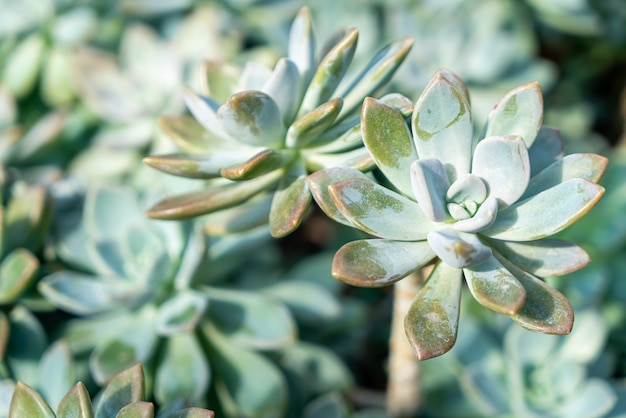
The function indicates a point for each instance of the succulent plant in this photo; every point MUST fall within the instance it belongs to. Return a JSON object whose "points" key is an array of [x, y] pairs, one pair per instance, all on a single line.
{"points": [[122, 397], [480, 209], [279, 126]]}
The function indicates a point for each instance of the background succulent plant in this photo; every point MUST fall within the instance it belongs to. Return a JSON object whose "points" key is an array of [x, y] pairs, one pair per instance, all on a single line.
{"points": [[281, 125], [480, 208]]}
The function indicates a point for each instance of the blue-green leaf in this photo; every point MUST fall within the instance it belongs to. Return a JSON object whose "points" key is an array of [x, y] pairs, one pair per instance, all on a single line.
{"points": [[124, 388]]}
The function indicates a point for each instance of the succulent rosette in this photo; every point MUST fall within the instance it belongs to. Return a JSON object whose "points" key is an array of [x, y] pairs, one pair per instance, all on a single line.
{"points": [[278, 127], [481, 209]]}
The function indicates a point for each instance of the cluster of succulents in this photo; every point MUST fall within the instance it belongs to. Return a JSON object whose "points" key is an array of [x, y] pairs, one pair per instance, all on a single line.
{"points": [[183, 182]]}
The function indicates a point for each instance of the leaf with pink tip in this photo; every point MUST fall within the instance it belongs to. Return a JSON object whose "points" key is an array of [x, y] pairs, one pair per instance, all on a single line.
{"points": [[388, 139], [494, 287], [546, 309], [546, 257], [291, 202], [442, 126], [309, 126], [432, 320], [198, 166], [519, 112], [502, 163], [259, 164], [380, 211], [584, 166], [546, 213], [379, 262]]}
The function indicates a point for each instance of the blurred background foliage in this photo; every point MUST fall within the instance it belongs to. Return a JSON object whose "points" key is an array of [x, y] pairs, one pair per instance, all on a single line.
{"points": [[247, 325]]}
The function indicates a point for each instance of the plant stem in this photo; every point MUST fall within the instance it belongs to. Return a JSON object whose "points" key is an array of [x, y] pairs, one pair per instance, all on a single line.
{"points": [[404, 397]]}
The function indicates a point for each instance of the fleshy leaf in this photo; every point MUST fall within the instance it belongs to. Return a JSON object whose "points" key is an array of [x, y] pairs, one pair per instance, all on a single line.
{"points": [[380, 211], [376, 74], [219, 80], [239, 218], [183, 371], [192, 413], [27, 344], [458, 249], [199, 166], [585, 166], [494, 287], [137, 410], [519, 112], [180, 313], [546, 309], [291, 202], [547, 148], [358, 158], [502, 163], [123, 389], [188, 134], [76, 403], [545, 257], [484, 217], [432, 320], [546, 213], [26, 402], [237, 376], [258, 165], [318, 184], [467, 187], [302, 45], [595, 398], [379, 262], [283, 86], [310, 125], [253, 117], [250, 318], [17, 271], [388, 138], [330, 72], [430, 183], [56, 369], [205, 112], [442, 126], [211, 199]]}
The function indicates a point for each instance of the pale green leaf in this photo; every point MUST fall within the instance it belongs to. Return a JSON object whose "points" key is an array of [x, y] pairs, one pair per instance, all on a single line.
{"points": [[309, 126], [519, 112], [137, 410], [429, 182], [200, 166], [26, 402], [205, 111], [192, 413], [379, 262], [547, 148], [388, 139], [180, 313], [76, 403], [22, 66], [291, 202], [259, 164], [124, 388], [546, 213], [442, 126], [358, 158], [56, 372], [380, 211], [302, 46], [432, 320], [284, 87], [17, 271], [458, 249]]}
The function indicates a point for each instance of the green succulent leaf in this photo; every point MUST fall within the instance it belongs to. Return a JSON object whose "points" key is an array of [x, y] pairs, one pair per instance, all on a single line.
{"points": [[239, 218], [258, 165], [430, 182], [103, 205], [23, 219], [18, 272], [204, 110], [26, 345], [137, 410], [358, 158], [432, 320], [585, 166], [547, 149], [595, 399], [237, 375], [442, 126], [291, 202], [211, 199], [190, 135], [253, 117], [22, 66], [379, 262], [458, 249], [302, 46], [388, 138], [502, 163], [519, 112], [199, 166], [330, 72], [192, 413], [251, 319], [85, 294], [309, 126], [380, 211], [57, 371], [494, 287], [318, 184], [183, 371], [545, 257], [26, 402], [219, 80], [76, 403], [377, 73], [57, 82], [546, 213], [546, 309], [180, 313], [124, 388], [283, 86]]}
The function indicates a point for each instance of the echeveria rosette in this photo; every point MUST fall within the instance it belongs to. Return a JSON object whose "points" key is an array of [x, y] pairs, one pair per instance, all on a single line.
{"points": [[484, 210], [278, 127]]}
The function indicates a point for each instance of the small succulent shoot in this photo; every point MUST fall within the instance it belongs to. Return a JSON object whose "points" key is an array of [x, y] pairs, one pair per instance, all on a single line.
{"points": [[484, 210], [123, 397], [275, 129]]}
